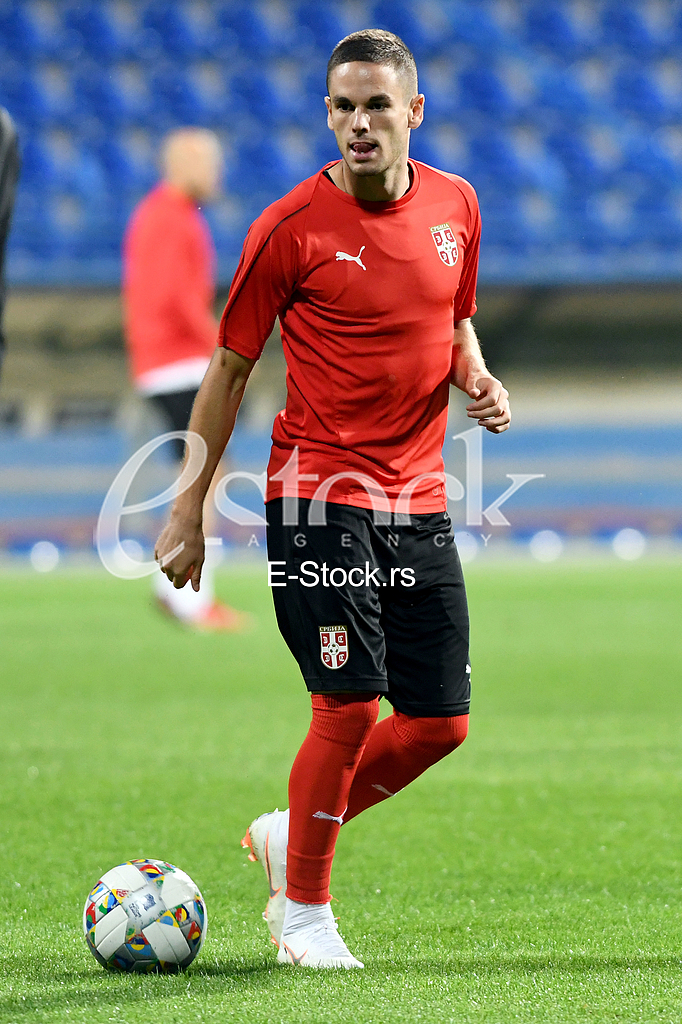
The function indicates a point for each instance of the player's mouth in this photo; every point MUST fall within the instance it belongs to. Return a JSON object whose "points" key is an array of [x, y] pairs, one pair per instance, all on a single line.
{"points": [[363, 150]]}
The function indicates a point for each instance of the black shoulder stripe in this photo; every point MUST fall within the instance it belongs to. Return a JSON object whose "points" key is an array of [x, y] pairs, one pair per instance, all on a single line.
{"points": [[257, 256]]}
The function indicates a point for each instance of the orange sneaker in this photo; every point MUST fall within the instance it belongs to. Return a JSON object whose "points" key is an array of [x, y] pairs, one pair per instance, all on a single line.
{"points": [[220, 618]]}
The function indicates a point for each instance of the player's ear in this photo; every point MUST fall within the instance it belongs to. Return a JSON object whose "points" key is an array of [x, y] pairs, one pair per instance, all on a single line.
{"points": [[328, 104], [415, 114]]}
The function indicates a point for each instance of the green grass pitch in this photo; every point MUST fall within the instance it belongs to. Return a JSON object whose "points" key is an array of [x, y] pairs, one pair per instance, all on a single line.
{"points": [[535, 875]]}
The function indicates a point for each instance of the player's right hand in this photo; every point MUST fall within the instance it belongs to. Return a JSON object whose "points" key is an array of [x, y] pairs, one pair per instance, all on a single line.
{"points": [[180, 553]]}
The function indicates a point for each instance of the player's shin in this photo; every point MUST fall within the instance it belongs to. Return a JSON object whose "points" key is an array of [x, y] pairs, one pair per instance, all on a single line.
{"points": [[319, 785]]}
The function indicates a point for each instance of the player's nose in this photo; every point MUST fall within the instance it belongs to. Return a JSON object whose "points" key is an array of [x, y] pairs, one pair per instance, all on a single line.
{"points": [[360, 121]]}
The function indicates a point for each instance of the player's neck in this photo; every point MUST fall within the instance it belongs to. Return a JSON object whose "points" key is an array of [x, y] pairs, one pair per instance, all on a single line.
{"points": [[373, 188]]}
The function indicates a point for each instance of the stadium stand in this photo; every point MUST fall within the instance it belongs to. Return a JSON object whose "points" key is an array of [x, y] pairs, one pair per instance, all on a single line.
{"points": [[565, 115]]}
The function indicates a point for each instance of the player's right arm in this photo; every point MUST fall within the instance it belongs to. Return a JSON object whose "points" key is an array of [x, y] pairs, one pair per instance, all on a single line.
{"points": [[213, 418]]}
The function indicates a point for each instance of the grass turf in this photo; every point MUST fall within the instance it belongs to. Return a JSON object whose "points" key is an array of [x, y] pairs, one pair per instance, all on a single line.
{"points": [[533, 876]]}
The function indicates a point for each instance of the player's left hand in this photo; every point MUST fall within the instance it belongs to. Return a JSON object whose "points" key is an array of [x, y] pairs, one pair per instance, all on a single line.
{"points": [[491, 405]]}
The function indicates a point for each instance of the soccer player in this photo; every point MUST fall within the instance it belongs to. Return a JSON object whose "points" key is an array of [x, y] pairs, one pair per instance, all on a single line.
{"points": [[371, 266], [168, 291]]}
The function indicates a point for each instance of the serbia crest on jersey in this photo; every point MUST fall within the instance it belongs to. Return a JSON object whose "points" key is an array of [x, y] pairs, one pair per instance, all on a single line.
{"points": [[445, 243], [334, 646]]}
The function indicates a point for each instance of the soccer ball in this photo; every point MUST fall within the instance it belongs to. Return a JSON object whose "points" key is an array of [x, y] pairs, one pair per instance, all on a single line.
{"points": [[145, 915]]}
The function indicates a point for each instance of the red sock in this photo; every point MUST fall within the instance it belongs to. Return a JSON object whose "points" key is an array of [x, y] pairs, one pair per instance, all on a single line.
{"points": [[319, 784], [398, 750]]}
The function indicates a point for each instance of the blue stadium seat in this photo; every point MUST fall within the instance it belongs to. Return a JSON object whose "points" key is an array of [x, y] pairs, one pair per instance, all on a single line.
{"points": [[438, 81], [635, 92], [447, 146], [504, 224], [256, 96], [585, 222], [22, 92], [493, 162], [257, 169], [473, 25], [408, 22], [28, 32], [325, 23], [646, 164], [562, 99], [259, 36], [54, 163], [315, 78], [32, 233], [542, 168], [583, 169], [287, 85], [314, 89], [98, 95], [99, 237], [129, 164], [658, 221], [624, 25], [440, 145], [229, 221], [297, 155], [541, 215], [178, 98], [549, 25], [483, 92], [325, 148], [38, 170], [55, 102], [100, 34], [185, 34]]}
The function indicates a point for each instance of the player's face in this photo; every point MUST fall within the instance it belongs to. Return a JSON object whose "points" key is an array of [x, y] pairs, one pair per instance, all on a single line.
{"points": [[371, 116], [206, 171]]}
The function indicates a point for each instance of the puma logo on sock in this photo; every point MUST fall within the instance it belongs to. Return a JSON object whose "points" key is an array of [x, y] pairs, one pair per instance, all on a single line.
{"points": [[329, 817]]}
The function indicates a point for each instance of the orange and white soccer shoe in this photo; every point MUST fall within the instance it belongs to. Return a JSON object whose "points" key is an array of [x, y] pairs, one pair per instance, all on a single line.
{"points": [[266, 838], [217, 618], [220, 618], [310, 938]]}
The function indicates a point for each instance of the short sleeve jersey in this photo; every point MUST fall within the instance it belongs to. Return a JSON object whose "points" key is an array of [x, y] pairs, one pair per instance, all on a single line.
{"points": [[367, 294]]}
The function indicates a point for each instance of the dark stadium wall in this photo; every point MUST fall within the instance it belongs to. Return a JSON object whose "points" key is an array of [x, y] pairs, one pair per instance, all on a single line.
{"points": [[65, 355]]}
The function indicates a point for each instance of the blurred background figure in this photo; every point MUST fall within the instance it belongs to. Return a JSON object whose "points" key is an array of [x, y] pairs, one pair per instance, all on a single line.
{"points": [[169, 287], [9, 172]]}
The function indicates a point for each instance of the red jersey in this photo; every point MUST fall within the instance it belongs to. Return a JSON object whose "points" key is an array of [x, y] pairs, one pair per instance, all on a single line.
{"points": [[367, 295], [168, 281]]}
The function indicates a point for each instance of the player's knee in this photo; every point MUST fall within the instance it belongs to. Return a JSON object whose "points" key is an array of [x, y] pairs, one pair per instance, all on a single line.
{"points": [[346, 718], [436, 736]]}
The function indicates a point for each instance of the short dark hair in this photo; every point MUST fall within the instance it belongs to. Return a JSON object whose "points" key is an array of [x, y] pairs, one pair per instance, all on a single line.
{"points": [[375, 46]]}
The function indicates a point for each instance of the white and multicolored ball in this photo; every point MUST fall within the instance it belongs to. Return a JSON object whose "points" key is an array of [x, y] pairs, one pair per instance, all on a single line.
{"points": [[145, 915]]}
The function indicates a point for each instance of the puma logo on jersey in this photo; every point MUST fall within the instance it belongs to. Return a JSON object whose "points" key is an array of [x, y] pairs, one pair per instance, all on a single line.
{"points": [[352, 259]]}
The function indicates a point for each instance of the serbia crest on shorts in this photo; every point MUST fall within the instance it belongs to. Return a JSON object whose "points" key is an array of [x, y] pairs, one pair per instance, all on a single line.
{"points": [[445, 243], [334, 646]]}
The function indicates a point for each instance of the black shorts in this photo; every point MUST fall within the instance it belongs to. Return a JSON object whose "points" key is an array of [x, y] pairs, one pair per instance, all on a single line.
{"points": [[367, 607], [176, 407]]}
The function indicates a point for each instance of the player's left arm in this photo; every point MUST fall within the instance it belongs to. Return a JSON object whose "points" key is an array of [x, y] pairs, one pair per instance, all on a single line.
{"points": [[470, 374]]}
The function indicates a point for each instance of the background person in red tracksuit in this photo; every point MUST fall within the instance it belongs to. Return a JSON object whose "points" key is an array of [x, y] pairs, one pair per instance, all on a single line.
{"points": [[168, 290]]}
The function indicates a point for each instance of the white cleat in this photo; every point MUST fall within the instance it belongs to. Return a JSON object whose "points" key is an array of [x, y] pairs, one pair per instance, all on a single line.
{"points": [[267, 838], [310, 938]]}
